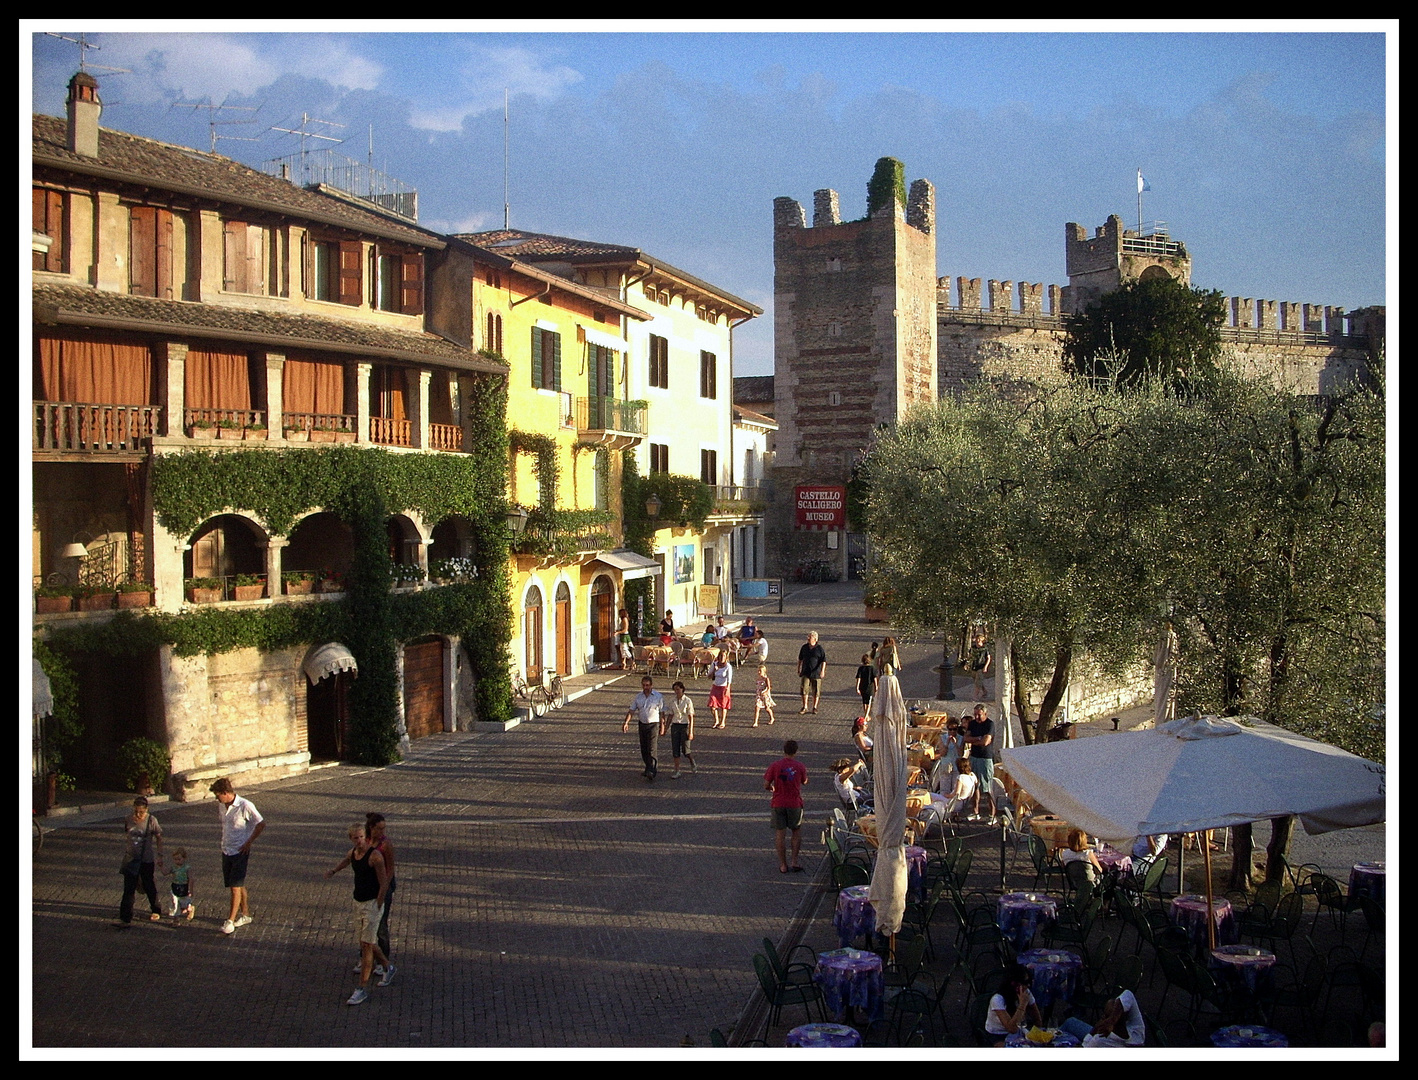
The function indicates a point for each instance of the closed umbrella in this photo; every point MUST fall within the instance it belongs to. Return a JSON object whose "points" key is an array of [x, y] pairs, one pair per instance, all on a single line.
{"points": [[890, 765]]}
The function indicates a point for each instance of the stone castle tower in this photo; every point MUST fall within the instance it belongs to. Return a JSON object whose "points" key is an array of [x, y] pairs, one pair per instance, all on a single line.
{"points": [[1112, 256], [854, 337]]}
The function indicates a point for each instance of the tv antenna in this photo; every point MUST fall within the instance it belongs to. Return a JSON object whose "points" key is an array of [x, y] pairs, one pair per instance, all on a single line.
{"points": [[305, 120], [84, 46], [505, 129], [213, 123]]}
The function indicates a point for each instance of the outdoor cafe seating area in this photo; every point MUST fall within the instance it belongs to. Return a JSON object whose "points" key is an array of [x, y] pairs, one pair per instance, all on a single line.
{"points": [[1296, 961]]}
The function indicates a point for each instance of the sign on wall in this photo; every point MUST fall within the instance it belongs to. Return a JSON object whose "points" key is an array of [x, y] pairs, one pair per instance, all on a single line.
{"points": [[821, 506], [683, 563]]}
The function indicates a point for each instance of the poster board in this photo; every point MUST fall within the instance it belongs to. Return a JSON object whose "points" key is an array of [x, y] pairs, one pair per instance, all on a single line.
{"points": [[709, 599]]}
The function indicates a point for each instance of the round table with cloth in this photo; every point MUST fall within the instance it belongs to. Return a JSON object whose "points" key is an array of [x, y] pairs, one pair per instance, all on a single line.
{"points": [[1020, 914], [1243, 965], [1112, 859], [1189, 913], [1055, 974], [920, 754], [851, 979], [928, 719], [928, 735], [1061, 1038], [1053, 830], [854, 917], [822, 1036], [916, 858], [1248, 1035], [1367, 879]]}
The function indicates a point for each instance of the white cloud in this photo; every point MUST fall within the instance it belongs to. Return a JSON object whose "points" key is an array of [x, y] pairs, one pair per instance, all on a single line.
{"points": [[484, 78], [476, 222]]}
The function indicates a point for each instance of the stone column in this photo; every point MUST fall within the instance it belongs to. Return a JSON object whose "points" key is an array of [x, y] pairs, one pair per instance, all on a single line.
{"points": [[275, 395], [171, 359], [418, 409], [1242, 312], [1002, 296], [1266, 315], [1031, 298], [450, 683], [1055, 300], [274, 563], [969, 293], [363, 371], [825, 208]]}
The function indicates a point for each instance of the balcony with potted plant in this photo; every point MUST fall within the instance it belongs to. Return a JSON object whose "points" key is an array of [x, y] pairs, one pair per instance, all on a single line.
{"points": [[332, 581], [408, 576], [248, 587], [94, 597], [53, 599], [299, 582], [135, 594], [203, 590]]}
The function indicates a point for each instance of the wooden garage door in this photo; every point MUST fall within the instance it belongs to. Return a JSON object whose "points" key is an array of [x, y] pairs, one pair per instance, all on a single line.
{"points": [[423, 688]]}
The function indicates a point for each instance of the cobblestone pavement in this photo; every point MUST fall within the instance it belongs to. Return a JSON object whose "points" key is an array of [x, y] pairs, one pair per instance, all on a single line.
{"points": [[548, 895]]}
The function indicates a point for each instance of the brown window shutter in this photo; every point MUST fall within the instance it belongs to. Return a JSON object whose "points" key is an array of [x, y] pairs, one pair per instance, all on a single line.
{"points": [[351, 273], [307, 271], [142, 251], [41, 225], [234, 256], [255, 259], [412, 290], [162, 263]]}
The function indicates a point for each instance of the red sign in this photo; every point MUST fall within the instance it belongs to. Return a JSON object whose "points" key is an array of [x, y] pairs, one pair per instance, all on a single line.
{"points": [[822, 507]]}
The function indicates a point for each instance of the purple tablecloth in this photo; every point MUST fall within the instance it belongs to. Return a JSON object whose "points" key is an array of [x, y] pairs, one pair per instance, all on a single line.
{"points": [[1189, 913], [854, 916], [1248, 1035], [1055, 974], [1243, 965], [851, 977], [916, 870], [1367, 879], [1021, 914], [817, 1036], [1111, 859], [1060, 1039]]}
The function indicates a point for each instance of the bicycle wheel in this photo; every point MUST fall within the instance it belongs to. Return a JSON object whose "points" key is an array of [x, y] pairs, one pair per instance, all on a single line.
{"points": [[539, 702], [558, 694]]}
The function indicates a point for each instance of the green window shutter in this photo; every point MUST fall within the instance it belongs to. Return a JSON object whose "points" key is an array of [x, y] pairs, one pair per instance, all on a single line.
{"points": [[556, 362], [536, 357]]}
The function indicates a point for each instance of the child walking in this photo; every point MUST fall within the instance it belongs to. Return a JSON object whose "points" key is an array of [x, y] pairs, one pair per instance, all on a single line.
{"points": [[183, 906], [764, 700], [681, 729]]}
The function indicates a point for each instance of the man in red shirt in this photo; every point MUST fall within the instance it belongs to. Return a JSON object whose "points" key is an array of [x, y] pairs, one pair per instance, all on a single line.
{"points": [[785, 779]]}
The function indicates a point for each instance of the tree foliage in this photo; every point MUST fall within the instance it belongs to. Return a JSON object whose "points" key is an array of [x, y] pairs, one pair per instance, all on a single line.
{"points": [[1147, 330], [1078, 519]]}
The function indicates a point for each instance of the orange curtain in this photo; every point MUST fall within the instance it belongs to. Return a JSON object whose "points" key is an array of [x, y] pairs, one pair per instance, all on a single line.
{"points": [[218, 380], [313, 386], [96, 371]]}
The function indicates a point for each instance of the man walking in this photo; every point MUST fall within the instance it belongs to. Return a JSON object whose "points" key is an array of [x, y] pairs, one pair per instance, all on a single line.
{"points": [[812, 664], [980, 735], [785, 779], [241, 825], [649, 709]]}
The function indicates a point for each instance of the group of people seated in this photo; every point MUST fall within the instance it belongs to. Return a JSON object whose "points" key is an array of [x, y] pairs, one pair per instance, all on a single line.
{"points": [[1013, 1010]]}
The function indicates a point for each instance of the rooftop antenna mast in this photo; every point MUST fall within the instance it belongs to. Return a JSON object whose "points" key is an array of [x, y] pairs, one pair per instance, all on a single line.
{"points": [[84, 46], [306, 119], [213, 123], [505, 205]]}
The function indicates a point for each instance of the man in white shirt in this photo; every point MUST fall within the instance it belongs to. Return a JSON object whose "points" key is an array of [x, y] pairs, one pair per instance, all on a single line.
{"points": [[648, 708], [1122, 1012], [759, 656], [241, 825]]}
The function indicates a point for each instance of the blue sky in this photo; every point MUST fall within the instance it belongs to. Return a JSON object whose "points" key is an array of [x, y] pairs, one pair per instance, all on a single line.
{"points": [[1266, 152]]}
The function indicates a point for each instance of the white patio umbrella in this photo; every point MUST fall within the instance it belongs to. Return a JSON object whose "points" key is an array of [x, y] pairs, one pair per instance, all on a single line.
{"points": [[890, 765]]}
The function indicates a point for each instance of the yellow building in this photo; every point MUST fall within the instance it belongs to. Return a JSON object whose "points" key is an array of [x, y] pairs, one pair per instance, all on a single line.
{"points": [[680, 349]]}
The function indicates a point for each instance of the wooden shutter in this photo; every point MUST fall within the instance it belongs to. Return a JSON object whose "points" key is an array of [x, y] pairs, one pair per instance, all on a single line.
{"points": [[49, 220], [555, 361], [255, 259], [411, 292], [234, 256], [351, 273], [536, 357], [142, 251]]}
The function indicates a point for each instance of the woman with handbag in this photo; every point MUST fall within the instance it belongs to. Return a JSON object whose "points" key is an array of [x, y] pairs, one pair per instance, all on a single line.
{"points": [[143, 851]]}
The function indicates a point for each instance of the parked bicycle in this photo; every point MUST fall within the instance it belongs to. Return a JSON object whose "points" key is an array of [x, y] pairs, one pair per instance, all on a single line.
{"points": [[539, 697]]}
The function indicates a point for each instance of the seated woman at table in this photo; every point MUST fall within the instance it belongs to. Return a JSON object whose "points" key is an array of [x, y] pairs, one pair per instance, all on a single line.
{"points": [[964, 792], [861, 739], [1013, 1005], [952, 746], [707, 638], [846, 784], [1122, 1012], [1078, 851]]}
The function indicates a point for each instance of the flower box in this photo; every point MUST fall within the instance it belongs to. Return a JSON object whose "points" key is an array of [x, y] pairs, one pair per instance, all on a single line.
{"points": [[332, 586], [229, 433], [317, 435], [53, 605], [204, 596], [97, 602], [135, 599], [254, 433], [299, 586], [202, 432], [876, 614], [247, 592], [297, 435], [344, 436]]}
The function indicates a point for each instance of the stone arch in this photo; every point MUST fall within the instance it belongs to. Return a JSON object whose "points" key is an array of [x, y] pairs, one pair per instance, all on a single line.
{"points": [[452, 538], [406, 540], [225, 545], [319, 541], [601, 618], [1155, 273]]}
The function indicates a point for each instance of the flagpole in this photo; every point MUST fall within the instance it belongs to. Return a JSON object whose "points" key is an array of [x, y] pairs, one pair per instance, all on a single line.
{"points": [[1139, 202]]}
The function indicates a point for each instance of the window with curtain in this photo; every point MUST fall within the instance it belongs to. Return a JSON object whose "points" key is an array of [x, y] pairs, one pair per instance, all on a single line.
{"points": [[218, 379], [99, 370], [312, 384]]}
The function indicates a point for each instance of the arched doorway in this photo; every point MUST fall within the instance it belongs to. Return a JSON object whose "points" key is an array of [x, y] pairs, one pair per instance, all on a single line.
{"points": [[423, 687], [563, 629], [602, 620], [532, 634], [224, 546]]}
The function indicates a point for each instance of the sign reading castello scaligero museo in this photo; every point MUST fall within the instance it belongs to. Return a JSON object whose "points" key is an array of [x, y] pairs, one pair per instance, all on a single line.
{"points": [[821, 506]]}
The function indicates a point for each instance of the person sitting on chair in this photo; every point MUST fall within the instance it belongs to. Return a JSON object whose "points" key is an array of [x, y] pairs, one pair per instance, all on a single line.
{"points": [[845, 784], [1012, 1005], [1123, 1011], [964, 793], [861, 739], [1078, 851]]}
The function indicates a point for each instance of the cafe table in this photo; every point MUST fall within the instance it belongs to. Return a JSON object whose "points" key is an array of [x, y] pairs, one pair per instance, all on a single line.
{"points": [[1248, 1035], [1189, 913], [1112, 859], [1020, 914], [824, 1036], [919, 754], [1367, 879], [1055, 974], [851, 979], [927, 735], [1244, 966], [1062, 1039], [916, 858], [854, 917], [1053, 830]]}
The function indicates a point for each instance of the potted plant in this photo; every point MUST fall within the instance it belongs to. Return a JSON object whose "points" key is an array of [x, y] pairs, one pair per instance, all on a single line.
{"points": [[407, 574], [143, 764], [51, 599], [95, 597], [452, 571], [332, 581], [201, 590], [135, 594], [322, 434], [56, 780], [299, 434], [247, 587], [878, 604], [344, 436], [298, 582], [255, 430], [228, 429], [202, 428]]}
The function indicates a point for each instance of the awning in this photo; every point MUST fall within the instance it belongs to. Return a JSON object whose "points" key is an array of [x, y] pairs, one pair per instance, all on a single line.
{"points": [[630, 565], [328, 659], [605, 341], [43, 695]]}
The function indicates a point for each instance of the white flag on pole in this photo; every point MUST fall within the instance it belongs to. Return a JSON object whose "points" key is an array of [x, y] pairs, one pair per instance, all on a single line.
{"points": [[1142, 185]]}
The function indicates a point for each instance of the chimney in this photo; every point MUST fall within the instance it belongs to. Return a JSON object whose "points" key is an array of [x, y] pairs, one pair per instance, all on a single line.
{"points": [[84, 108]]}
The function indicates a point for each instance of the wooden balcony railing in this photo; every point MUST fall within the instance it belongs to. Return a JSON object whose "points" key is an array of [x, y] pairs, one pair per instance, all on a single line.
{"points": [[390, 432], [445, 437], [70, 426], [241, 418], [307, 422]]}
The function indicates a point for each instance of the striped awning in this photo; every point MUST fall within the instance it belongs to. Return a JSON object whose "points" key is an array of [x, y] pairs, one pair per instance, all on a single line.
{"points": [[328, 659]]}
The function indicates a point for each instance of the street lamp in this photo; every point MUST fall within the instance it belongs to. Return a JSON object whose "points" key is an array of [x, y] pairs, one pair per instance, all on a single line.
{"points": [[652, 506], [517, 520]]}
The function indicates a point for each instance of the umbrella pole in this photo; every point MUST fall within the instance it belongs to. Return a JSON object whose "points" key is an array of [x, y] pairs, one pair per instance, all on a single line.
{"points": [[1206, 857]]}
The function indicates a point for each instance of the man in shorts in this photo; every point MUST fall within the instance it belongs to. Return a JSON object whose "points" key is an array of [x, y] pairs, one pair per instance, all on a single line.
{"points": [[980, 735], [812, 665], [785, 779], [241, 825]]}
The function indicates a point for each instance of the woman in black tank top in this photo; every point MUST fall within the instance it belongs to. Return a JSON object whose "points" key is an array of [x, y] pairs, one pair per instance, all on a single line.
{"points": [[371, 880]]}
